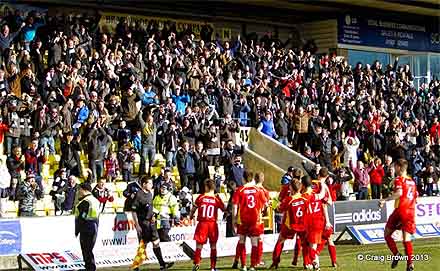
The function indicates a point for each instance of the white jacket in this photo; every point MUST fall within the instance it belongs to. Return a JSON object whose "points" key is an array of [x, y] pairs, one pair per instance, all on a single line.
{"points": [[5, 177], [351, 151]]}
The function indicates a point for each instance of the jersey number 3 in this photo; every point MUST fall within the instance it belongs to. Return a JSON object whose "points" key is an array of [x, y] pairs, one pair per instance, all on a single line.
{"points": [[251, 201]]}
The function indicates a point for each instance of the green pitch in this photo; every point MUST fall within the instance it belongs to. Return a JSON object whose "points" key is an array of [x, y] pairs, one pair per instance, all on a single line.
{"points": [[348, 256]]}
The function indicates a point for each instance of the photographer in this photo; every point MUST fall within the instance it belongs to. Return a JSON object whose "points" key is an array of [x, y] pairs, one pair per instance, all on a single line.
{"points": [[27, 194]]}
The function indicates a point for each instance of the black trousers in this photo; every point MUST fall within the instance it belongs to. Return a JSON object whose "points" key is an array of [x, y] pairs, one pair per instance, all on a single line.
{"points": [[87, 241]]}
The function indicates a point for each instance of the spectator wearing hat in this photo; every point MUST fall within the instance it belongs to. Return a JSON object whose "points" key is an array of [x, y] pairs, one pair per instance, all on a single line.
{"points": [[86, 223], [167, 209], [165, 177], [28, 192]]}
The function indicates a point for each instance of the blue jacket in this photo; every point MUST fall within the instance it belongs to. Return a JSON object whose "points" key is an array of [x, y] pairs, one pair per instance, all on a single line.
{"points": [[181, 102], [286, 179], [245, 109], [268, 128], [29, 31], [148, 98], [137, 143], [83, 114]]}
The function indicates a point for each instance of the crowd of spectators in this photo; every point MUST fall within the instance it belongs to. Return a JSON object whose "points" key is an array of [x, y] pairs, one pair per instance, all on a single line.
{"points": [[153, 89]]}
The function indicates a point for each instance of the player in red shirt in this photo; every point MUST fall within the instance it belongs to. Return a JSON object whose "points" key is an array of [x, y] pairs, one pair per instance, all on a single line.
{"points": [[295, 210], [403, 217], [248, 204], [318, 219], [302, 242], [207, 205], [259, 180]]}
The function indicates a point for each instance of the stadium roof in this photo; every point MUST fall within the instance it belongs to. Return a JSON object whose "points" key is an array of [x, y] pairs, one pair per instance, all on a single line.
{"points": [[281, 12]]}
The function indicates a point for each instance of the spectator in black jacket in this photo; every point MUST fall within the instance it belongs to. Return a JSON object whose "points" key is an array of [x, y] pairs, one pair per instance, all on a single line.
{"points": [[237, 171], [71, 190], [186, 165], [282, 129], [16, 165], [70, 158], [98, 144]]}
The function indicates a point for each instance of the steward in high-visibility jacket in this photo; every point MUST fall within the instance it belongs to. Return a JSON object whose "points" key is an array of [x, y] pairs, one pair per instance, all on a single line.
{"points": [[166, 208], [86, 224]]}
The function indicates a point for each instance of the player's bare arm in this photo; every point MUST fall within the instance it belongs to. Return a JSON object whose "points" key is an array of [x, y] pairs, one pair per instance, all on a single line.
{"points": [[395, 195]]}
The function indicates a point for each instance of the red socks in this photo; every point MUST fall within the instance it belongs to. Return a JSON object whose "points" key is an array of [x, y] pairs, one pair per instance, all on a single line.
{"points": [[391, 244], [296, 251], [320, 247], [276, 254], [197, 256], [242, 252], [306, 253], [332, 252], [213, 258], [260, 251], [254, 256], [237, 252], [408, 251]]}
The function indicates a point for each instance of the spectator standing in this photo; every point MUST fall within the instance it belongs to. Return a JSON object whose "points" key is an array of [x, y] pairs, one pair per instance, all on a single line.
{"points": [[377, 174], [34, 159], [112, 168], [282, 129], [70, 193], [267, 126], [362, 179], [148, 152], [126, 157], [70, 158], [59, 186], [5, 184], [186, 164], [16, 167]]}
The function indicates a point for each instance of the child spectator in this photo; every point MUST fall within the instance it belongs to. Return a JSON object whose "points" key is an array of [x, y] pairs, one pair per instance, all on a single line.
{"points": [[137, 141], [112, 167], [126, 157]]}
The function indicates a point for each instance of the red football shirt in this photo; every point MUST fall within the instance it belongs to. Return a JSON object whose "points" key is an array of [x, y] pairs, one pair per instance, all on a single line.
{"points": [[208, 205], [315, 212], [406, 204], [251, 201], [294, 209]]}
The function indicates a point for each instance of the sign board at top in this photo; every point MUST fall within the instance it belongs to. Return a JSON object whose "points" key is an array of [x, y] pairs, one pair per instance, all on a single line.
{"points": [[386, 33]]}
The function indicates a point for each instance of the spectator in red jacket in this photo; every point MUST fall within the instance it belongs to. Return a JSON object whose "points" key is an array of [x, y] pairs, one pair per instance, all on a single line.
{"points": [[434, 132], [3, 128], [377, 174], [34, 160]]}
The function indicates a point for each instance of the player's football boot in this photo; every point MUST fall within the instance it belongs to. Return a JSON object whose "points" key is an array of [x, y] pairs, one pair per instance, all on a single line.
{"points": [[410, 267], [243, 268], [395, 260], [261, 264], [252, 269], [335, 265], [196, 267], [235, 265], [308, 267], [169, 265], [273, 266], [316, 266]]}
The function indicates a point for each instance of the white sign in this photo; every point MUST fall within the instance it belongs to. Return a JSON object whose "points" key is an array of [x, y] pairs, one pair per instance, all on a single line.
{"points": [[427, 210], [51, 241], [226, 246]]}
